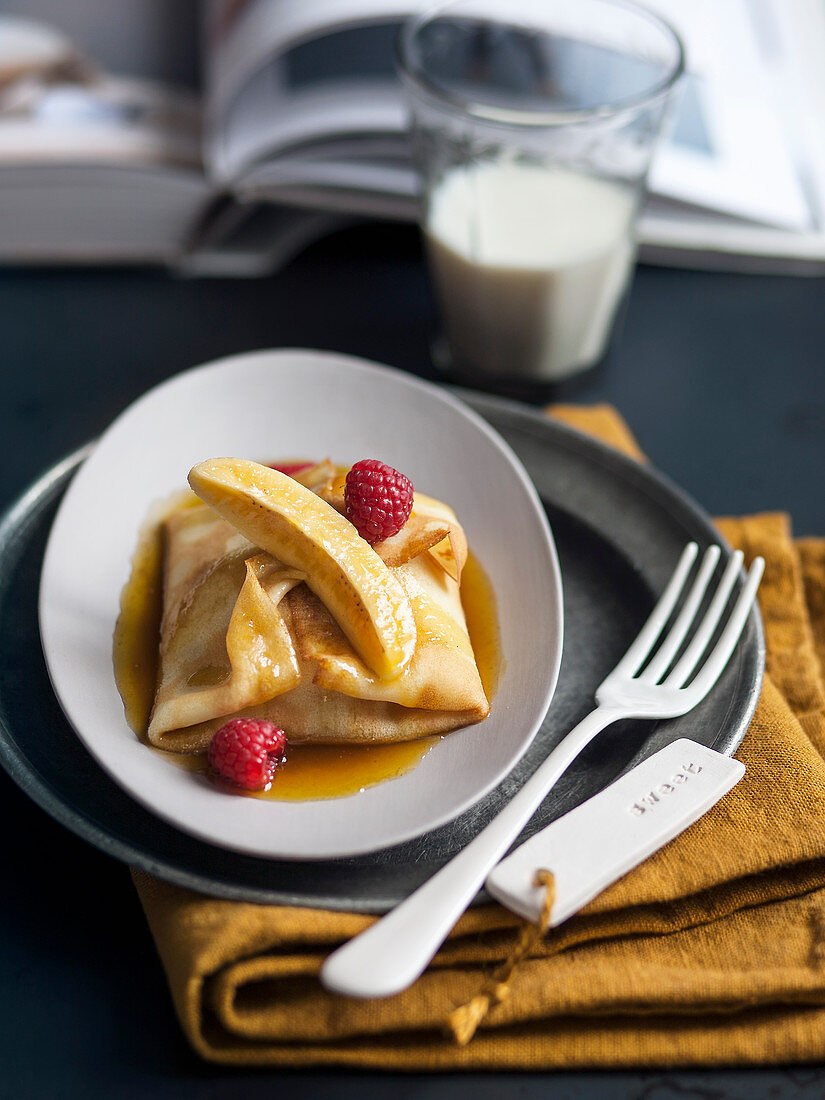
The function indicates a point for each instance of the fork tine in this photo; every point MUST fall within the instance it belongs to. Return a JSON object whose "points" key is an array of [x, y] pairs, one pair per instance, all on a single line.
{"points": [[660, 614], [670, 645], [704, 631], [714, 665]]}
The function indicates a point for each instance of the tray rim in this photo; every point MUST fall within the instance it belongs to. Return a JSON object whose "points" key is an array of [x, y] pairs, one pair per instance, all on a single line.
{"points": [[24, 511]]}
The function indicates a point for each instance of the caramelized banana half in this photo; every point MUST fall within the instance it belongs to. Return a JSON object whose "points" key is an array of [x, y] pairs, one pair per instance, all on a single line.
{"points": [[296, 526]]}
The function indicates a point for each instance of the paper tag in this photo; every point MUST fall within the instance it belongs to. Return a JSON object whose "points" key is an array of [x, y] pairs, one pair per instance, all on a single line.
{"points": [[594, 845]]}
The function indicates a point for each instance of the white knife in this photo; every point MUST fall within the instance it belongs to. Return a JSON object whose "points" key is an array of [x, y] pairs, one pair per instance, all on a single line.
{"points": [[594, 845]]}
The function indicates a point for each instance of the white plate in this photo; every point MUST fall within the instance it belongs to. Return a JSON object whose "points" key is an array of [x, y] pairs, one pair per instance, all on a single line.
{"points": [[305, 403]]}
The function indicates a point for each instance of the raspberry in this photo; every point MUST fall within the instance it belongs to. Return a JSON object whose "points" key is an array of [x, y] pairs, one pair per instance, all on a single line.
{"points": [[377, 499], [246, 751]]}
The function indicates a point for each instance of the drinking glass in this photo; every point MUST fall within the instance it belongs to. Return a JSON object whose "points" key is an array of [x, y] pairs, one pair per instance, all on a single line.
{"points": [[533, 125]]}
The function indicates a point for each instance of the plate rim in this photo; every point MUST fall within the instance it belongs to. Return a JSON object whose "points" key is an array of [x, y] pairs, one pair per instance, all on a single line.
{"points": [[26, 510], [208, 821]]}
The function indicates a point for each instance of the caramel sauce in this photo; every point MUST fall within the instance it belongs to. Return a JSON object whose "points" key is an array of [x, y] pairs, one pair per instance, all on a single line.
{"points": [[311, 771], [479, 603], [137, 632], [330, 771]]}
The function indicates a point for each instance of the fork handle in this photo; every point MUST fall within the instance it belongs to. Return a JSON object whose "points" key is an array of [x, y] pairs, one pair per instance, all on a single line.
{"points": [[394, 951]]}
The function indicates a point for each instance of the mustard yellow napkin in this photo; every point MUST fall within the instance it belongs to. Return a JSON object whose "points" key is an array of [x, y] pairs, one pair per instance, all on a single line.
{"points": [[710, 953]]}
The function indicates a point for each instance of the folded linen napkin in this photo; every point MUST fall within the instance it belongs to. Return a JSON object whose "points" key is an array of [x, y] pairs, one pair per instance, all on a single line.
{"points": [[712, 952]]}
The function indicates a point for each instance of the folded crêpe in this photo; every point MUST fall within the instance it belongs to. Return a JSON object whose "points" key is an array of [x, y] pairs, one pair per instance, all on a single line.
{"points": [[242, 634]]}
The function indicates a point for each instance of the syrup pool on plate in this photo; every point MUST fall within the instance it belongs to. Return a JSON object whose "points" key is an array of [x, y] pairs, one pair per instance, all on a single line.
{"points": [[311, 771]]}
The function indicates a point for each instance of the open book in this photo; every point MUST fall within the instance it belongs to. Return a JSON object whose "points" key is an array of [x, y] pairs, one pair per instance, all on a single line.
{"points": [[304, 126]]}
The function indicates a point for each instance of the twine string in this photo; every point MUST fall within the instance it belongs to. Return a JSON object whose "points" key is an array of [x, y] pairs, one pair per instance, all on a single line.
{"points": [[463, 1021]]}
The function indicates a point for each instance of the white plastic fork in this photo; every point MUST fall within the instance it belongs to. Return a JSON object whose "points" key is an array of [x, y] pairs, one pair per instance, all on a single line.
{"points": [[394, 951]]}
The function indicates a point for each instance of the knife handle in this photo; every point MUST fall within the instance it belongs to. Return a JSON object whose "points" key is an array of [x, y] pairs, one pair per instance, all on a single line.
{"points": [[594, 845]]}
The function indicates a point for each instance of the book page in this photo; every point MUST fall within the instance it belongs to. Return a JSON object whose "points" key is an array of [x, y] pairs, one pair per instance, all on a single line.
{"points": [[242, 35], [728, 150], [114, 120], [290, 76]]}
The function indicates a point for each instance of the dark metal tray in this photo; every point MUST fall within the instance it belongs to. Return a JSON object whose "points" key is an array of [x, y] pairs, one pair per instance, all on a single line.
{"points": [[619, 528]]}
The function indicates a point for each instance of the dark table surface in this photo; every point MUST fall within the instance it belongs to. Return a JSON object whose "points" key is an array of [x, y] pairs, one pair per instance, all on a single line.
{"points": [[721, 377]]}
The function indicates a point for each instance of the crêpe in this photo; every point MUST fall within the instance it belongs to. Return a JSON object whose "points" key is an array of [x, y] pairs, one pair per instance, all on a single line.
{"points": [[242, 634]]}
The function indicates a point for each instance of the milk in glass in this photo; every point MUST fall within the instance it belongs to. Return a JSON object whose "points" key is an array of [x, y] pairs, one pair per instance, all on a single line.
{"points": [[530, 263]]}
